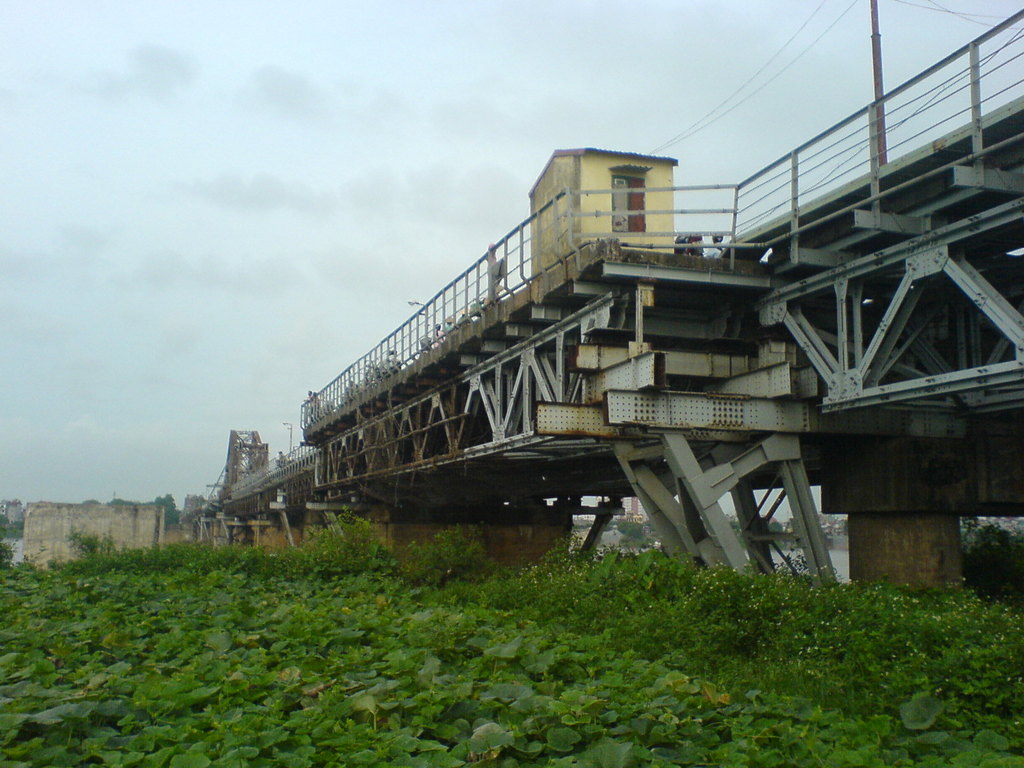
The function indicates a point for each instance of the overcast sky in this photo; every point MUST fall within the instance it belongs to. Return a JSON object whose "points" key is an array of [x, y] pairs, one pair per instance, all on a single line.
{"points": [[209, 208]]}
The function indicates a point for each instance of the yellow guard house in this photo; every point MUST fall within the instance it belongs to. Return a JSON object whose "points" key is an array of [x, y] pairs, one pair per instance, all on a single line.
{"points": [[620, 195]]}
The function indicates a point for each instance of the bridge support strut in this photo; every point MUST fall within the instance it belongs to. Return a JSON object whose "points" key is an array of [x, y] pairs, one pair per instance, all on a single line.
{"points": [[681, 493]]}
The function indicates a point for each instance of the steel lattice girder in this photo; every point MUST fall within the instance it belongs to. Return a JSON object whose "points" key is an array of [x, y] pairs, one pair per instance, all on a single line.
{"points": [[773, 305], [712, 414], [853, 360]]}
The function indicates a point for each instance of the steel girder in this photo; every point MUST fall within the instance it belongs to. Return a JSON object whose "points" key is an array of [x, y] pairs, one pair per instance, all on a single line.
{"points": [[918, 322], [247, 455], [683, 500], [485, 410]]}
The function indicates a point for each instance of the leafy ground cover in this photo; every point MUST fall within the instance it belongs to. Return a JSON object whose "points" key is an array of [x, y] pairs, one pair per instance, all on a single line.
{"points": [[189, 657]]}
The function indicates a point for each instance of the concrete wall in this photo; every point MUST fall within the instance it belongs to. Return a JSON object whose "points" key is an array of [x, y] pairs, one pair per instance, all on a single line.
{"points": [[904, 497], [48, 527], [175, 534]]}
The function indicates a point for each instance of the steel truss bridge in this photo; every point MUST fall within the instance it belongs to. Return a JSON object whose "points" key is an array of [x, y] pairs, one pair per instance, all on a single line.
{"points": [[857, 295]]}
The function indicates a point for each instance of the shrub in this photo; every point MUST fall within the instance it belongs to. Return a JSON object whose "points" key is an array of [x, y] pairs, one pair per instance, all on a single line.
{"points": [[90, 545], [994, 561], [453, 554], [6, 555], [347, 547]]}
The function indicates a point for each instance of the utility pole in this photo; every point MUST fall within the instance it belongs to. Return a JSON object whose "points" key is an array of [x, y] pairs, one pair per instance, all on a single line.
{"points": [[876, 64]]}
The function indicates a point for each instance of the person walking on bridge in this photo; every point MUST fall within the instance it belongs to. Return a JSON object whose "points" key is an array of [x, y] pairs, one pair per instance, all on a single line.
{"points": [[495, 274]]}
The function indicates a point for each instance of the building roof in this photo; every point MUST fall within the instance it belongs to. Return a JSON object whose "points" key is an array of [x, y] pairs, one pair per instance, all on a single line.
{"points": [[636, 157]]}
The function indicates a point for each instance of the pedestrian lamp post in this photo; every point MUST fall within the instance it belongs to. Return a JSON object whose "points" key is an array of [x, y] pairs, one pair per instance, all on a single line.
{"points": [[290, 428]]}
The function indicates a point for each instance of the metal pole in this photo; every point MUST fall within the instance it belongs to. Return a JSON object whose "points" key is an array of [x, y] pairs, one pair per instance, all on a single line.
{"points": [[876, 66]]}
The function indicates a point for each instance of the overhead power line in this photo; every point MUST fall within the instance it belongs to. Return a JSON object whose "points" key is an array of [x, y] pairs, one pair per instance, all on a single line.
{"points": [[749, 80], [710, 118], [933, 6]]}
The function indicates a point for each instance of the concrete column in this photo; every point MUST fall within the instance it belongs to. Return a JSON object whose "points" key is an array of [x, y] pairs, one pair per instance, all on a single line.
{"points": [[904, 497], [916, 548]]}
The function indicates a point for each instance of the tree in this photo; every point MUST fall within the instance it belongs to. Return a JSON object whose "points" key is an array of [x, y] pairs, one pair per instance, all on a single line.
{"points": [[631, 530], [171, 514]]}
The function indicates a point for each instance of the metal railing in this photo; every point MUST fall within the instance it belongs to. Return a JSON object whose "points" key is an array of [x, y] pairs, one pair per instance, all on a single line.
{"points": [[506, 269], [299, 460], [698, 210], [965, 88], [503, 270]]}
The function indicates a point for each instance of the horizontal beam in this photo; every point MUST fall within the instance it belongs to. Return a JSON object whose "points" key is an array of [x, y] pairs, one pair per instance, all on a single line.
{"points": [[692, 412], [779, 380], [890, 222], [687, 276], [991, 179], [970, 380], [640, 372], [590, 358], [566, 420], [887, 258], [737, 413]]}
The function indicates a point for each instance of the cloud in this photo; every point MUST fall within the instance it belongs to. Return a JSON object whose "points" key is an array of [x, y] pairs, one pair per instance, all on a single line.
{"points": [[288, 95], [475, 117], [262, 193], [22, 322], [179, 335], [246, 276], [21, 265], [84, 239], [153, 71]]}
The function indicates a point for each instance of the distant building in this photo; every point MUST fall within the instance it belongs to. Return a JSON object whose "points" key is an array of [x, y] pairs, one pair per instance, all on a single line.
{"points": [[13, 510], [633, 510]]}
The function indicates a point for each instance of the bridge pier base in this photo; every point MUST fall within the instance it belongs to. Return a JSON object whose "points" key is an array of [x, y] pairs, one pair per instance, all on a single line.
{"points": [[903, 497], [915, 548], [510, 535]]}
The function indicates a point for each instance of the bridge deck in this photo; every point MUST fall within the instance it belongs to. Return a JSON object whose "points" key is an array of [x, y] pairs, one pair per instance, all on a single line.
{"points": [[697, 286], [933, 180]]}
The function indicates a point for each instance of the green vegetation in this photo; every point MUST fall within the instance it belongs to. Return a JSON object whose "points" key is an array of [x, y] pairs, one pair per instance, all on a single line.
{"points": [[994, 561], [328, 656], [89, 545], [455, 554], [632, 531], [171, 512], [6, 550]]}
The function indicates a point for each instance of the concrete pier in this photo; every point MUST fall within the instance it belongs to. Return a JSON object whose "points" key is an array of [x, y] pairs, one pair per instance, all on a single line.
{"points": [[904, 497]]}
